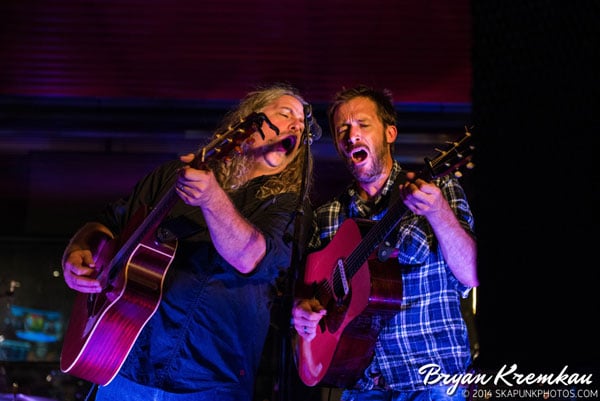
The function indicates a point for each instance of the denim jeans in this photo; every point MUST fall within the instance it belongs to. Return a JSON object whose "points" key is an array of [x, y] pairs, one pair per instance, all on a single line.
{"points": [[121, 389]]}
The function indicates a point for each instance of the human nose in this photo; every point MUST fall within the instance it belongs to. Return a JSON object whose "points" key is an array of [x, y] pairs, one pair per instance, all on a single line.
{"points": [[297, 124], [353, 135]]}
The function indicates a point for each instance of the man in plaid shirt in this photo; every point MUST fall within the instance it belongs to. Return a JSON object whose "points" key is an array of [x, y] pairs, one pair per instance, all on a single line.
{"points": [[426, 340]]}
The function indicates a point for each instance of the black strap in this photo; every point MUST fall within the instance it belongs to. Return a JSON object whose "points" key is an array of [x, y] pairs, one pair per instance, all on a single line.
{"points": [[387, 248]]}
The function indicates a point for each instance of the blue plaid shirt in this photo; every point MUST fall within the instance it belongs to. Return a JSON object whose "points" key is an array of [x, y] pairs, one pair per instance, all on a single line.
{"points": [[429, 328]]}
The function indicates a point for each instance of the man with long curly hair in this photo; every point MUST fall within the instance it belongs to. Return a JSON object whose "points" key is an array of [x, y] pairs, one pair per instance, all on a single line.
{"points": [[232, 226]]}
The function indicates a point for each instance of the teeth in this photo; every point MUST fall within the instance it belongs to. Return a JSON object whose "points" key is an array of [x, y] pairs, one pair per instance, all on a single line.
{"points": [[354, 151]]}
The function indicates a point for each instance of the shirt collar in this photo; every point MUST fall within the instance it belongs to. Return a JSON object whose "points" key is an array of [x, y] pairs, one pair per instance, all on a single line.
{"points": [[372, 207]]}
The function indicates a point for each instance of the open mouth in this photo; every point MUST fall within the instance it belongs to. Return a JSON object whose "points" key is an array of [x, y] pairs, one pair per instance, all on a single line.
{"points": [[358, 154], [288, 144]]}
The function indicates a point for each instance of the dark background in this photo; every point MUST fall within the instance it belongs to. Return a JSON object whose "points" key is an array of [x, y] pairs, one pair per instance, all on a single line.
{"points": [[94, 94]]}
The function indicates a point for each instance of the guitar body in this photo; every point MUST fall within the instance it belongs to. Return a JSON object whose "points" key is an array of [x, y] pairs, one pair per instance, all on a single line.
{"points": [[103, 327], [346, 337]]}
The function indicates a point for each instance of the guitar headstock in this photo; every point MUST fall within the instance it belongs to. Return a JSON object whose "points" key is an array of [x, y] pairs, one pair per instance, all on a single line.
{"points": [[450, 160], [230, 142]]}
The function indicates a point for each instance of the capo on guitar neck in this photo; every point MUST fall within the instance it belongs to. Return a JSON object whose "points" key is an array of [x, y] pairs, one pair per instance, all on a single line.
{"points": [[229, 140]]}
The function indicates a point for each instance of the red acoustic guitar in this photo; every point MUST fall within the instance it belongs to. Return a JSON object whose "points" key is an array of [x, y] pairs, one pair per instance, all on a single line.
{"points": [[103, 327], [360, 288]]}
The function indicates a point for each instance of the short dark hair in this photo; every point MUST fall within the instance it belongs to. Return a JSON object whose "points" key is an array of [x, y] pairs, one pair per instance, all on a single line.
{"points": [[382, 98]]}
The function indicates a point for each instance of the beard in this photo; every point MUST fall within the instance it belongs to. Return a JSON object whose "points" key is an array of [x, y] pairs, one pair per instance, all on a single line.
{"points": [[233, 173], [370, 172]]}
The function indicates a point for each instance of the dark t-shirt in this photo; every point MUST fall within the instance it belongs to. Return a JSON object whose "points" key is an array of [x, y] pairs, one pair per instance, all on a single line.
{"points": [[212, 321]]}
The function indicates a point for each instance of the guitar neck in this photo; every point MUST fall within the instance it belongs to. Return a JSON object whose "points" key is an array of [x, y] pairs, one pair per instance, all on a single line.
{"points": [[148, 225], [448, 161], [376, 234]]}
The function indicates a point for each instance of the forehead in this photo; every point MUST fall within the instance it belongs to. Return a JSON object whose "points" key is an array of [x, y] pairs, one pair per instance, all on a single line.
{"points": [[287, 102], [356, 108]]}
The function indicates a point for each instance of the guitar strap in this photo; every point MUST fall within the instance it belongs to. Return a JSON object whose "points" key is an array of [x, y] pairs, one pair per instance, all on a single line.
{"points": [[386, 248], [395, 193]]}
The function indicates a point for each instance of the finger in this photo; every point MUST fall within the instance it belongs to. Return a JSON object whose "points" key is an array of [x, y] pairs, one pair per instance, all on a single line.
{"points": [[90, 284], [183, 189], [310, 317], [187, 158], [307, 334], [87, 259], [304, 327], [82, 283]]}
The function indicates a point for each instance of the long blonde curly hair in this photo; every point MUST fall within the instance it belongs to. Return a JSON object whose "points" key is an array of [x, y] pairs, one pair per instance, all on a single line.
{"points": [[232, 174]]}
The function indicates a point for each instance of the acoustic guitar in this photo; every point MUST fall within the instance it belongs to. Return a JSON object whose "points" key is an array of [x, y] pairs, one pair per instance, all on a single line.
{"points": [[103, 327], [360, 287]]}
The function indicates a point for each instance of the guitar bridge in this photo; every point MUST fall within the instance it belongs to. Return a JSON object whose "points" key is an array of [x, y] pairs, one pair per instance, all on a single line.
{"points": [[343, 277]]}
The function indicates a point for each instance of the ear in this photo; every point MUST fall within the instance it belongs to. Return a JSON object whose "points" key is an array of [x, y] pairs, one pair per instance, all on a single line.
{"points": [[391, 132]]}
